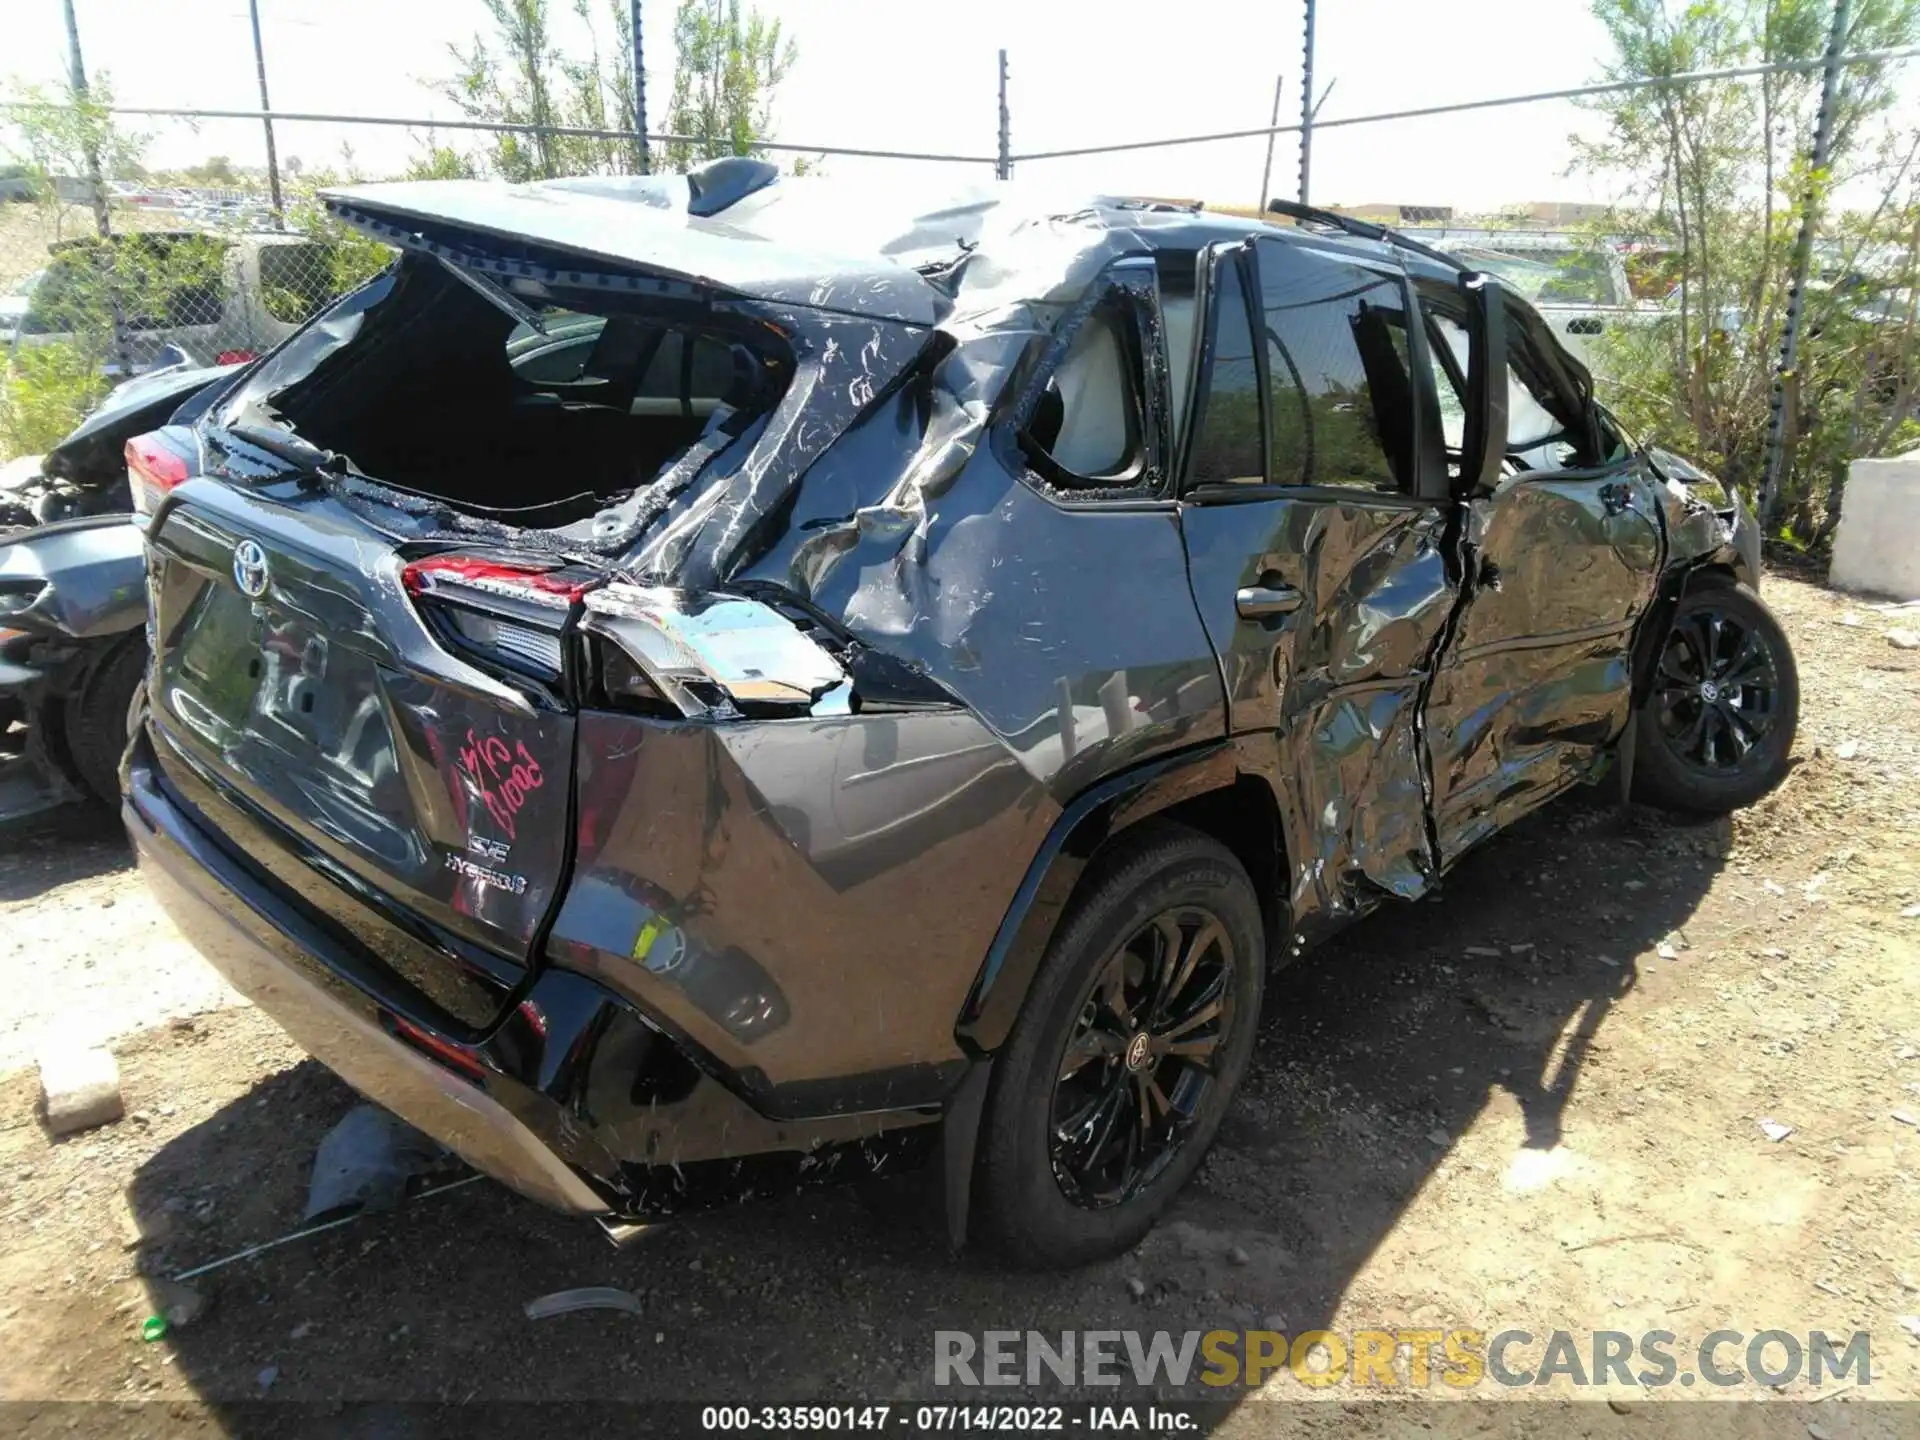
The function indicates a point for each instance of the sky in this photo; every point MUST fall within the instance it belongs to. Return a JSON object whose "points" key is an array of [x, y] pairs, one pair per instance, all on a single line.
{"points": [[916, 77]]}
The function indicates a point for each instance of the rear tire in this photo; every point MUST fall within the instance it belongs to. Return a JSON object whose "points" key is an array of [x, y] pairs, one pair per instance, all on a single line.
{"points": [[97, 717], [1126, 1054], [1717, 727]]}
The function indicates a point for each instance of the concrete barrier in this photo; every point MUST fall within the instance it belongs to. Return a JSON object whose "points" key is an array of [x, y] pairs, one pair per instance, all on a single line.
{"points": [[1877, 547]]}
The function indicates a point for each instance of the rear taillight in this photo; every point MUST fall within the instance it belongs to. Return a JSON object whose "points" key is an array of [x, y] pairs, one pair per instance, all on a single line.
{"points": [[153, 468], [509, 613], [547, 585], [236, 357]]}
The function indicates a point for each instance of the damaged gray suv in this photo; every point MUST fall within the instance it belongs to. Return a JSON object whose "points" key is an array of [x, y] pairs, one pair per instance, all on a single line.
{"points": [[685, 686]]}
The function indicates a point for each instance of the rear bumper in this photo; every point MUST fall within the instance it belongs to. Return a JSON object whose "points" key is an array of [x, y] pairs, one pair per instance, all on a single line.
{"points": [[573, 1099], [246, 935]]}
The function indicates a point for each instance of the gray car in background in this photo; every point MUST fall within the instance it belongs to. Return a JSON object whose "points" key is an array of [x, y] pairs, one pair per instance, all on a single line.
{"points": [[222, 298]]}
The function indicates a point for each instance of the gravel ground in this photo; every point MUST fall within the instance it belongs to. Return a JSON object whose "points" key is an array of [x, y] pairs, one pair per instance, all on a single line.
{"points": [[88, 957], [1533, 1103]]}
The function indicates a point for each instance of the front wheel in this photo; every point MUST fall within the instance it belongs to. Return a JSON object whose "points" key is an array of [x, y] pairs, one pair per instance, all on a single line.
{"points": [[1126, 1055], [1718, 724]]}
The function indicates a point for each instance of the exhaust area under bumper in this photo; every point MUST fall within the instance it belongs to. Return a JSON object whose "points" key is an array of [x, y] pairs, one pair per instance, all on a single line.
{"points": [[575, 1098], [245, 935]]}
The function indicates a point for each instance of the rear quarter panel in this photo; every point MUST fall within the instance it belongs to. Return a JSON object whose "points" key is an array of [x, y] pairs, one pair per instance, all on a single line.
{"points": [[811, 901]]}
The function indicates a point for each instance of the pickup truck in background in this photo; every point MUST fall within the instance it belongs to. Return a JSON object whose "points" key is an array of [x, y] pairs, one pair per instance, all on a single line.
{"points": [[1581, 286]]}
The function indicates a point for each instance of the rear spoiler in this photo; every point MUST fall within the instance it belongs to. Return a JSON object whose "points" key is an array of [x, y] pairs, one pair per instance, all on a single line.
{"points": [[558, 234]]}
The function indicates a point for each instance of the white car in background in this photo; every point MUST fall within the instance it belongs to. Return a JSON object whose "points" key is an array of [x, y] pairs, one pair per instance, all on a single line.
{"points": [[1580, 285]]}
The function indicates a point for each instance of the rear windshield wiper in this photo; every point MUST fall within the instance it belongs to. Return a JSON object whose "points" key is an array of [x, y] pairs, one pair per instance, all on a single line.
{"points": [[496, 295]]}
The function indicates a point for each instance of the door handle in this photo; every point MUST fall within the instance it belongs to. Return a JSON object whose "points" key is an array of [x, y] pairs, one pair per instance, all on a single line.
{"points": [[1263, 602]]}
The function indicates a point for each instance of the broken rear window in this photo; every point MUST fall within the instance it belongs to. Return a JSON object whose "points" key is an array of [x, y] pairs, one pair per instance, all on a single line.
{"points": [[538, 413]]}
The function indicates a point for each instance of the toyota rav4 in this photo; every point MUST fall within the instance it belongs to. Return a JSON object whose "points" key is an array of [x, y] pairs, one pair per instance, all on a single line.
{"points": [[686, 685]]}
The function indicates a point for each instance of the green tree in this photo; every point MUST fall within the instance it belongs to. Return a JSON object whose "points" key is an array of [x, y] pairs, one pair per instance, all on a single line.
{"points": [[518, 75], [44, 393], [1718, 173], [441, 162], [727, 68], [728, 64], [62, 134], [512, 82], [214, 170]]}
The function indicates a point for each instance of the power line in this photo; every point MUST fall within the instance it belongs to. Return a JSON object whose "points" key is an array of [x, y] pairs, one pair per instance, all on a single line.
{"points": [[492, 126], [1610, 87]]}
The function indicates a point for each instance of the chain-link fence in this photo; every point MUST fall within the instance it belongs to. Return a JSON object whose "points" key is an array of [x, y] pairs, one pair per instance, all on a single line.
{"points": [[196, 275], [1678, 300]]}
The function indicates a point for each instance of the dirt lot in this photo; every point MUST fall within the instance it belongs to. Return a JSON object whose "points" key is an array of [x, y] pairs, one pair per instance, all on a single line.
{"points": [[1535, 1103]]}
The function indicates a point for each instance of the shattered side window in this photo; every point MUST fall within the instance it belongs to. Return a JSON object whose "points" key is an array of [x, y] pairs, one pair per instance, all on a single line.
{"points": [[1227, 443], [1087, 419], [1180, 321]]}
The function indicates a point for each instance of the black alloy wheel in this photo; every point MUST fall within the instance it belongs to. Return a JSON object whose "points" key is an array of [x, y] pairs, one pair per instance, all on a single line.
{"points": [[1717, 726], [1131, 1040], [1717, 689], [1142, 1056]]}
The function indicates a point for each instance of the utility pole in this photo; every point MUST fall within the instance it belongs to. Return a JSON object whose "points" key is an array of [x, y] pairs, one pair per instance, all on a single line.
{"points": [[640, 94], [266, 118], [1802, 260], [77, 82], [1306, 111], [1003, 165], [1266, 170]]}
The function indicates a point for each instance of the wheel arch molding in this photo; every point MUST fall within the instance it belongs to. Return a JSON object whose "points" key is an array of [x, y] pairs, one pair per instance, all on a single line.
{"points": [[1202, 785]]}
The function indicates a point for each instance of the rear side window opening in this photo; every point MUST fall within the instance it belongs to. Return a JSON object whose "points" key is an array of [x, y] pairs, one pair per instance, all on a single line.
{"points": [[539, 419], [1091, 427]]}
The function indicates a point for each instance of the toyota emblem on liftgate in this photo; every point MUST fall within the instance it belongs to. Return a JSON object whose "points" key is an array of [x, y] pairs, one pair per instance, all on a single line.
{"points": [[250, 568]]}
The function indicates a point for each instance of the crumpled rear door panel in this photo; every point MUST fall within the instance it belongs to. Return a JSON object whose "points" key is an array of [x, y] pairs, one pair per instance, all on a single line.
{"points": [[1338, 682]]}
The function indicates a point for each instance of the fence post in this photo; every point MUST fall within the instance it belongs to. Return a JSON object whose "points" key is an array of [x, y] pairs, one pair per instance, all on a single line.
{"points": [[1802, 261], [96, 186], [1003, 163], [1266, 170], [640, 94], [1306, 110], [77, 81], [266, 119]]}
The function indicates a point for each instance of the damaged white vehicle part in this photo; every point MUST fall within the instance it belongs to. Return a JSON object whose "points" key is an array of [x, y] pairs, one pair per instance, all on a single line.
{"points": [[708, 655]]}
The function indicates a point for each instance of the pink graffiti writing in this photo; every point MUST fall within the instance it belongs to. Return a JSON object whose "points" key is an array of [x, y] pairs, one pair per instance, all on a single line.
{"points": [[502, 777]]}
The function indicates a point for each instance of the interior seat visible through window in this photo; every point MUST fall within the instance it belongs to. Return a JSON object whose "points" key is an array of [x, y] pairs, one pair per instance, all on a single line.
{"points": [[1087, 426], [1544, 430], [1095, 421]]}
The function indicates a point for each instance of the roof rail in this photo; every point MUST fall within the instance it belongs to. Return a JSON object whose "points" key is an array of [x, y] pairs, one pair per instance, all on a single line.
{"points": [[1364, 229]]}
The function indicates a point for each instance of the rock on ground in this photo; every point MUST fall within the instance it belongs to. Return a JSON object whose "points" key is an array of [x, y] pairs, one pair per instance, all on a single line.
{"points": [[79, 1089]]}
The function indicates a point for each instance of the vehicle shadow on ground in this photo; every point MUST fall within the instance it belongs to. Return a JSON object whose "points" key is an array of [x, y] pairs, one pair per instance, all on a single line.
{"points": [[1375, 1052], [59, 845]]}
